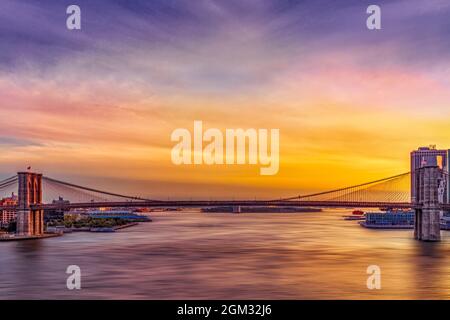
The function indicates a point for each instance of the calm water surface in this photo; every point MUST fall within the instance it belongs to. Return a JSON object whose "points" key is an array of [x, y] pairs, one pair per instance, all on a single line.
{"points": [[224, 256]]}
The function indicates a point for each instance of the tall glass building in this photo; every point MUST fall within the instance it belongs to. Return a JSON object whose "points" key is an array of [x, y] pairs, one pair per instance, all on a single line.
{"points": [[446, 170], [428, 156]]}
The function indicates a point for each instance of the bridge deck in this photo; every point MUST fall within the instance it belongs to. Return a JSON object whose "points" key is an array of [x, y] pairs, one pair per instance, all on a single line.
{"points": [[204, 203]]}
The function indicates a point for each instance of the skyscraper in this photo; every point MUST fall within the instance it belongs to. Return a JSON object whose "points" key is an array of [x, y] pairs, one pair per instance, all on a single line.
{"points": [[6, 216], [447, 175], [426, 156]]}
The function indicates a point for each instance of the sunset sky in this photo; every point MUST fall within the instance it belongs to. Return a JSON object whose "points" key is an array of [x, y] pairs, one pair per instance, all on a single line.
{"points": [[97, 106]]}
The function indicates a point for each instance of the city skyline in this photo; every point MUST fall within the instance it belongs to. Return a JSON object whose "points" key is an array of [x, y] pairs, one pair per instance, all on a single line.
{"points": [[99, 104]]}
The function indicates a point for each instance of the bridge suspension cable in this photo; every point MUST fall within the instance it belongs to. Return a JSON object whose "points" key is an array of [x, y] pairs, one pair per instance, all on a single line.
{"points": [[8, 186], [394, 189], [8, 180], [72, 190]]}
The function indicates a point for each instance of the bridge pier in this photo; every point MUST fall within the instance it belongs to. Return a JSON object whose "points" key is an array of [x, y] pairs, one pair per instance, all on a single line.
{"points": [[427, 212], [30, 222]]}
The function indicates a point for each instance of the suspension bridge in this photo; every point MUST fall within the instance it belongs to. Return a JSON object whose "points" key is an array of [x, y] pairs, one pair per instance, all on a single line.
{"points": [[37, 193], [392, 192]]}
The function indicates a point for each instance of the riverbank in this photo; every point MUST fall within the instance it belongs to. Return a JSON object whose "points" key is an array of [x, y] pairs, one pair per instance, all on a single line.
{"points": [[113, 229], [91, 229], [13, 237], [131, 224]]}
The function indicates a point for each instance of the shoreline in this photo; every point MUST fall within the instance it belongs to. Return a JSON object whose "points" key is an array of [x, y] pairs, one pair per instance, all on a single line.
{"points": [[13, 237], [101, 229], [23, 238]]}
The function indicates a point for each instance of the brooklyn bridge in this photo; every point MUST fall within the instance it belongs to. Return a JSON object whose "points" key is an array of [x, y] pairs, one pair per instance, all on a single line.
{"points": [[421, 190]]}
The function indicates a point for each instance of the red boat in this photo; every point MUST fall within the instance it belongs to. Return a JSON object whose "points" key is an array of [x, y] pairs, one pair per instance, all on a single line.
{"points": [[358, 212]]}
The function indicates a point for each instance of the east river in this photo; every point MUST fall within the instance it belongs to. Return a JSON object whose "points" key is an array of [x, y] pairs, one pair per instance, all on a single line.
{"points": [[193, 255]]}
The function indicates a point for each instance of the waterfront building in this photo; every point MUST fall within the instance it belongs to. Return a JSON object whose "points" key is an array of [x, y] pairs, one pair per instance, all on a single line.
{"points": [[427, 156], [6, 216], [55, 214], [390, 219]]}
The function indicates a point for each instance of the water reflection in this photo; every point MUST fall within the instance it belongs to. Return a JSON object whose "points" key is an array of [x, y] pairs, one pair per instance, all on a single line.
{"points": [[431, 273], [219, 256]]}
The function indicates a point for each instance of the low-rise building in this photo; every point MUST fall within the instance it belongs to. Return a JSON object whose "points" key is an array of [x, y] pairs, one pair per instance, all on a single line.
{"points": [[6, 216], [55, 214]]}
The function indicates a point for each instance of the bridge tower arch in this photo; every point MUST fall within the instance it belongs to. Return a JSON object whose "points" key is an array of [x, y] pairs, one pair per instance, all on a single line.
{"points": [[30, 222]]}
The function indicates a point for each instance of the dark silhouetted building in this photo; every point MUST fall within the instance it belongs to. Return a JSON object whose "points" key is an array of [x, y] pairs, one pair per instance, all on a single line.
{"points": [[430, 156]]}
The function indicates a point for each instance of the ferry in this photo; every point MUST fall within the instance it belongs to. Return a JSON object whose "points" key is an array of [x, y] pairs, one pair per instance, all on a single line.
{"points": [[389, 220]]}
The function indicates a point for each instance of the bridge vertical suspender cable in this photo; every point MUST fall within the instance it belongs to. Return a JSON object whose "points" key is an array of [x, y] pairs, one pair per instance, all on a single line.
{"points": [[361, 192]]}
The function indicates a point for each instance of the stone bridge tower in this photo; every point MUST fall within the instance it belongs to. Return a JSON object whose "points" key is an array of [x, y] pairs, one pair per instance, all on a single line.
{"points": [[30, 222], [427, 211]]}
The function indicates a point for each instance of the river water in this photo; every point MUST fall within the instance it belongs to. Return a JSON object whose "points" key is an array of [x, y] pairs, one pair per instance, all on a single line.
{"points": [[192, 255]]}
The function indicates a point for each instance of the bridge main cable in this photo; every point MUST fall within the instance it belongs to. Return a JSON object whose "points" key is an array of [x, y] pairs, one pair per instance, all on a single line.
{"points": [[95, 190], [342, 189], [8, 179], [8, 182]]}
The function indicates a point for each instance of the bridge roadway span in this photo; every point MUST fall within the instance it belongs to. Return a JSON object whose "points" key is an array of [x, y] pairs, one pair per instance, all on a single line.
{"points": [[206, 203], [216, 203]]}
